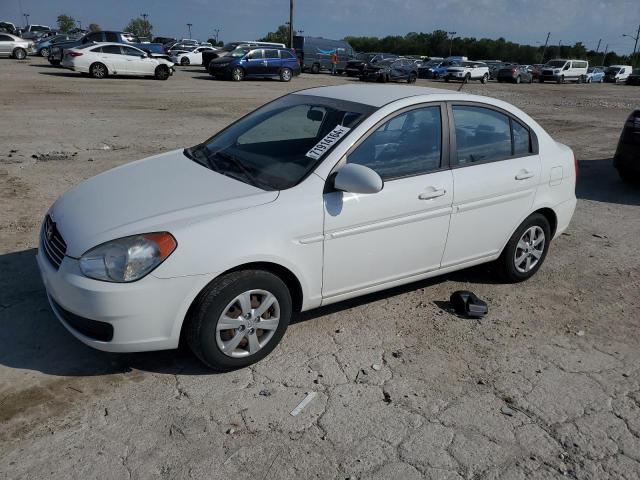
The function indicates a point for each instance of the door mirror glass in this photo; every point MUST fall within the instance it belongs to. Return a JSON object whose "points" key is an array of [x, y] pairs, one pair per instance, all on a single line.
{"points": [[355, 178]]}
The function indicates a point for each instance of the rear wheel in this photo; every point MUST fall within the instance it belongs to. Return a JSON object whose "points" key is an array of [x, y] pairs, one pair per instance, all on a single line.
{"points": [[412, 78], [237, 74], [184, 61], [98, 70], [162, 72], [19, 53], [526, 250], [44, 52], [580, 79], [238, 319], [285, 75], [315, 68], [518, 79], [485, 78]]}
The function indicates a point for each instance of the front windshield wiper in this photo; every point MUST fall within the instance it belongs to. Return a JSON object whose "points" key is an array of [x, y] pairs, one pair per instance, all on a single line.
{"points": [[239, 165]]}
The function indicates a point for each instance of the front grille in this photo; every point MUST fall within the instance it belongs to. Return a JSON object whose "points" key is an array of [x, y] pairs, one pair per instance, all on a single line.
{"points": [[53, 245]]}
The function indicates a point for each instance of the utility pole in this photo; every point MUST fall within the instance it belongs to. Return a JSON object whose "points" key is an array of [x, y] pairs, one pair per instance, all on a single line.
{"points": [[189, 25], [215, 32], [544, 50], [635, 45], [606, 49], [144, 16], [598, 47], [26, 19], [559, 48], [290, 23], [451, 34]]}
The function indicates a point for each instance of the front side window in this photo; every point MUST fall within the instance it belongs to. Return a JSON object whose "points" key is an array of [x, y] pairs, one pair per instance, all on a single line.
{"points": [[482, 134], [133, 52], [255, 55], [408, 144], [5, 38], [276, 146]]}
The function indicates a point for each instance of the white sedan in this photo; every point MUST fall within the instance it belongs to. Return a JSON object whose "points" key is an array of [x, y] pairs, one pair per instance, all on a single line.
{"points": [[188, 58], [103, 59], [319, 196]]}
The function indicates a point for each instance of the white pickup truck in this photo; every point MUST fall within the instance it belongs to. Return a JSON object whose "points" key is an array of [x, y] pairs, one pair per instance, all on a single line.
{"points": [[466, 70]]}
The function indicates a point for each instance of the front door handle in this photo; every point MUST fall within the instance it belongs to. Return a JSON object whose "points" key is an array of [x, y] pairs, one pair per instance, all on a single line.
{"points": [[524, 174], [432, 193]]}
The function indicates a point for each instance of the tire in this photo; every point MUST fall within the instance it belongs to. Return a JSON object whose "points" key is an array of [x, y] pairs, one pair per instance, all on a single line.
{"points": [[561, 79], [44, 52], [518, 79], [315, 68], [627, 176], [237, 74], [588, 79], [580, 80], [19, 53], [412, 78], [484, 79], [512, 268], [285, 75], [222, 297], [184, 61], [162, 72], [98, 70]]}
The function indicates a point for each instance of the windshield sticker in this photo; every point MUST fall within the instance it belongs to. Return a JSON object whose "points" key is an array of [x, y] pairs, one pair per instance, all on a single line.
{"points": [[325, 144]]}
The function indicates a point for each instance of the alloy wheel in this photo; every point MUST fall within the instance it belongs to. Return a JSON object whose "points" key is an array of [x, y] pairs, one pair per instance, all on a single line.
{"points": [[248, 323], [529, 249], [44, 52]]}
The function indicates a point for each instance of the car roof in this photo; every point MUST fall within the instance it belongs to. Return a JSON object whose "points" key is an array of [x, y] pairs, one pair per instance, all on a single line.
{"points": [[373, 95]]}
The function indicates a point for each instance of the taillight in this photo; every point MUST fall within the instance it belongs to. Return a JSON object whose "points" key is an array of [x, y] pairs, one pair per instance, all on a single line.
{"points": [[75, 54]]}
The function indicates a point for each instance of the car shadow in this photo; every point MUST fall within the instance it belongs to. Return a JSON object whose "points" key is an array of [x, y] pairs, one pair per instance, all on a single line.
{"points": [[600, 182], [33, 338], [63, 74]]}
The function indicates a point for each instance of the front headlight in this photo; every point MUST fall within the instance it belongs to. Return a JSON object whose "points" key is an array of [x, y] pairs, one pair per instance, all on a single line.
{"points": [[127, 259]]}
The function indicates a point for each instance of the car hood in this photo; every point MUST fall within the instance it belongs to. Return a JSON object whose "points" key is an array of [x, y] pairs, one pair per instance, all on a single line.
{"points": [[165, 192]]}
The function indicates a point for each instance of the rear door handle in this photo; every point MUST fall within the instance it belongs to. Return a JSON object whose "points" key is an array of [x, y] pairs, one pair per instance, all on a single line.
{"points": [[524, 174], [432, 193]]}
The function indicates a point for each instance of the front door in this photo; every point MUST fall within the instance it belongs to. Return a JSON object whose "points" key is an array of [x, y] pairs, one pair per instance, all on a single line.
{"points": [[400, 232], [112, 57], [496, 172], [255, 63]]}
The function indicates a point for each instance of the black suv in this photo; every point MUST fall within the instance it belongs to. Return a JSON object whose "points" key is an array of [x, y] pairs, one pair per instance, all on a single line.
{"points": [[355, 67], [627, 157]]}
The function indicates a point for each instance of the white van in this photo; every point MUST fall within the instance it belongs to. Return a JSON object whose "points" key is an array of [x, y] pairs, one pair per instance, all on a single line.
{"points": [[617, 73], [561, 71]]}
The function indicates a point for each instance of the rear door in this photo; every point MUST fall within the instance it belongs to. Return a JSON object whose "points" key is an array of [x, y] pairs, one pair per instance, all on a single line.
{"points": [[5, 44], [112, 57], [496, 171], [272, 61]]}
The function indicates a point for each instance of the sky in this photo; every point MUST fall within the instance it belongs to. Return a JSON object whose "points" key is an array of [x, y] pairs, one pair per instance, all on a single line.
{"points": [[522, 21]]}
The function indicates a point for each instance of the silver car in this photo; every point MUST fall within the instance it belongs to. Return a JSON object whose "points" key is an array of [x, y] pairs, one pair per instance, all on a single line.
{"points": [[16, 47]]}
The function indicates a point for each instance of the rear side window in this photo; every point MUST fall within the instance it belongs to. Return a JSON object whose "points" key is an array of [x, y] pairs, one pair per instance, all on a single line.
{"points": [[286, 54], [271, 54], [481, 134], [485, 135], [5, 38], [408, 144], [112, 49]]}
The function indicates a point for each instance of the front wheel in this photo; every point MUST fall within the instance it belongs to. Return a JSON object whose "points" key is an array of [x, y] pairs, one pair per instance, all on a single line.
{"points": [[518, 79], [412, 78], [19, 54], [44, 52], [237, 74], [162, 72], [184, 61], [285, 75], [238, 319], [526, 250]]}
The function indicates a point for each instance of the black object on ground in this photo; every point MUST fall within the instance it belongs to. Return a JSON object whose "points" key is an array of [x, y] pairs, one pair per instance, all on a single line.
{"points": [[468, 304]]}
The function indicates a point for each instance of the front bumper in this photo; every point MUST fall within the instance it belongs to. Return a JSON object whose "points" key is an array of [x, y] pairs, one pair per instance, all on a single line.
{"points": [[144, 315]]}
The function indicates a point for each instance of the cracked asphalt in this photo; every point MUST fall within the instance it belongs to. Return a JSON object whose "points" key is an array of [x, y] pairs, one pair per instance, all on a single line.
{"points": [[546, 386]]}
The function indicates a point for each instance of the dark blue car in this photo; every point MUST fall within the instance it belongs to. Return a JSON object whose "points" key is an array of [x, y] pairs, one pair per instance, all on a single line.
{"points": [[244, 62]]}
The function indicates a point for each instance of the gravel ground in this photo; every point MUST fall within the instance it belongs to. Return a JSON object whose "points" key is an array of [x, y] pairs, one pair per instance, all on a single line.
{"points": [[547, 385]]}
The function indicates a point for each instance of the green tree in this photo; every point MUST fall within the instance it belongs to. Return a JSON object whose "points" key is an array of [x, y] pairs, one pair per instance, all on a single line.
{"points": [[94, 27], [281, 35], [66, 23], [140, 27]]}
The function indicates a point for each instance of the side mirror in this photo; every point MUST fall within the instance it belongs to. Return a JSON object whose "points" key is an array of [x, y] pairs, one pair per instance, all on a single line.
{"points": [[355, 178]]}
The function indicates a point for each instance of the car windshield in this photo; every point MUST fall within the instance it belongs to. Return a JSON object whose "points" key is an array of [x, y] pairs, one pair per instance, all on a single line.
{"points": [[276, 146], [613, 69], [239, 52], [555, 63]]}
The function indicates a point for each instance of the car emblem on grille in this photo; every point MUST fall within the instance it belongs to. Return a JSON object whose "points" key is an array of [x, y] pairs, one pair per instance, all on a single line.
{"points": [[48, 231]]}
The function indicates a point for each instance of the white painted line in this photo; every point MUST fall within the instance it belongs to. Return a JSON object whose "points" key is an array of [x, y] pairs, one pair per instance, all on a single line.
{"points": [[305, 401]]}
